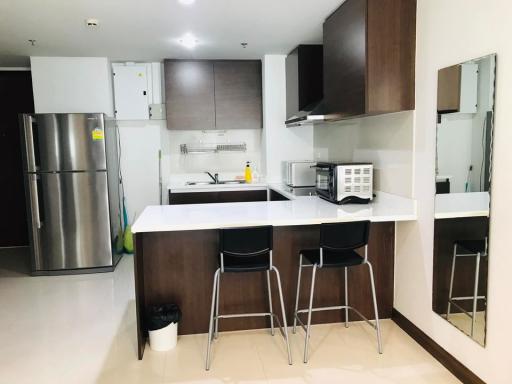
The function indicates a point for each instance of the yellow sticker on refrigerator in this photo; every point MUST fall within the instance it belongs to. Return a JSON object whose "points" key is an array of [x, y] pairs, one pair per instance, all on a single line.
{"points": [[97, 134]]}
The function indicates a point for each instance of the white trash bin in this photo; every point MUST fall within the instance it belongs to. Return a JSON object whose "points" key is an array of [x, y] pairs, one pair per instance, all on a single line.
{"points": [[164, 339]]}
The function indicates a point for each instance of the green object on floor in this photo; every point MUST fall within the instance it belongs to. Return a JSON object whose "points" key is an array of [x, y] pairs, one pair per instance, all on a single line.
{"points": [[128, 239]]}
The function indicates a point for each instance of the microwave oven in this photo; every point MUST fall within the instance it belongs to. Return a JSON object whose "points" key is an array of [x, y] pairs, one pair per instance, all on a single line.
{"points": [[299, 173], [345, 183]]}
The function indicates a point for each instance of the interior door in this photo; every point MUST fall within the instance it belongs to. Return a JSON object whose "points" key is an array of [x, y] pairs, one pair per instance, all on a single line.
{"points": [[15, 97], [74, 229]]}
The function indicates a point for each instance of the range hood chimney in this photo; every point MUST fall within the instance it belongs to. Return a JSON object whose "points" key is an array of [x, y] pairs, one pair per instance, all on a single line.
{"points": [[304, 85]]}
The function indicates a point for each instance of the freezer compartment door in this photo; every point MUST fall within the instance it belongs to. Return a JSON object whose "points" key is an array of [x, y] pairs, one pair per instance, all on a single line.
{"points": [[65, 142], [72, 226]]}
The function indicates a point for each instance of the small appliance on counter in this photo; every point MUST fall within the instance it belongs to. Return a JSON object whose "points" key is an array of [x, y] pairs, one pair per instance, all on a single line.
{"points": [[299, 173], [345, 183]]}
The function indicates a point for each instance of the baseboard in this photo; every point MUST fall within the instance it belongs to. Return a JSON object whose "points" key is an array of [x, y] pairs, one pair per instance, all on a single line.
{"points": [[459, 370]]}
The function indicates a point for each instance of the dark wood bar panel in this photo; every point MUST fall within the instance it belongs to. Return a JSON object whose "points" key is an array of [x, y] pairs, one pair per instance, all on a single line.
{"points": [[178, 267]]}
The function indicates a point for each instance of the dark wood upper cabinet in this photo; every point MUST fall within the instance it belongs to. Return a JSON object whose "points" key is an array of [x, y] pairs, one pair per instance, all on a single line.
{"points": [[448, 89], [304, 79], [213, 94], [238, 100], [369, 55], [189, 94]]}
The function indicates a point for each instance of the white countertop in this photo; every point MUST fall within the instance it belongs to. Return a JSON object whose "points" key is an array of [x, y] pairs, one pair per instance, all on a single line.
{"points": [[453, 205], [300, 211]]}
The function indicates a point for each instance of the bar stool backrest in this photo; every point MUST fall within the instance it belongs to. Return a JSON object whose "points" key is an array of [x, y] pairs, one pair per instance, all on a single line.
{"points": [[344, 236], [245, 243]]}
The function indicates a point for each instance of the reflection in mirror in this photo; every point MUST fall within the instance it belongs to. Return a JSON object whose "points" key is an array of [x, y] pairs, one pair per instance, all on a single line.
{"points": [[465, 108]]}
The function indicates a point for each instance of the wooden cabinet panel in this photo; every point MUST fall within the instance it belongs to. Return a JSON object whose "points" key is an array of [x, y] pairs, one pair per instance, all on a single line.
{"points": [[391, 41], [189, 90], [304, 79], [369, 53], [216, 197], [345, 59], [213, 94], [448, 89], [178, 267], [238, 100]]}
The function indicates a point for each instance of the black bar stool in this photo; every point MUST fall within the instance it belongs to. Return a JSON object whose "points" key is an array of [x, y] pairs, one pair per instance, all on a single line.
{"points": [[468, 248], [246, 250], [338, 243]]}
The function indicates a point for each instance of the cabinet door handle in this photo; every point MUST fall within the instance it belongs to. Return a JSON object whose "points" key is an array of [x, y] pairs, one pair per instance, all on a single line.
{"points": [[144, 93]]}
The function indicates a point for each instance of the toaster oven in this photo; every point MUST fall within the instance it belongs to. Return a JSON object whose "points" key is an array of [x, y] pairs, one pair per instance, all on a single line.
{"points": [[345, 183]]}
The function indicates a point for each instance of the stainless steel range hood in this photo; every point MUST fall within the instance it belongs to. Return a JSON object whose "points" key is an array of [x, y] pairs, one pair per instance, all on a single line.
{"points": [[307, 117]]}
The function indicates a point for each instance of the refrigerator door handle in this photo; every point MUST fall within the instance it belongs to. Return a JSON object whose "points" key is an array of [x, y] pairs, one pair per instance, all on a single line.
{"points": [[29, 138], [34, 194]]}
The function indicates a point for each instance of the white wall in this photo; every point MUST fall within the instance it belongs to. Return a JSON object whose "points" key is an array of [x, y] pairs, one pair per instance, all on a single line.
{"points": [[450, 32], [232, 162], [386, 141], [454, 149], [140, 143], [280, 143], [72, 84]]}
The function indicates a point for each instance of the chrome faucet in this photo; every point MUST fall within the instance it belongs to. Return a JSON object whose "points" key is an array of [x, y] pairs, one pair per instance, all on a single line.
{"points": [[214, 178]]}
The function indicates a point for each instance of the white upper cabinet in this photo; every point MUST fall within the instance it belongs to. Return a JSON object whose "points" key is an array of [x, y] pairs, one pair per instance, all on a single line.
{"points": [[131, 92], [137, 90], [72, 85]]}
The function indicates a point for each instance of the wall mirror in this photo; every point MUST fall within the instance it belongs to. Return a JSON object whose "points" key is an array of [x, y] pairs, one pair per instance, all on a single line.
{"points": [[465, 116]]}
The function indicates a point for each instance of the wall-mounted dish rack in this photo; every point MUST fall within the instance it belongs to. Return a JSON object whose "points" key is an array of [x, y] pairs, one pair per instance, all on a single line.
{"points": [[186, 149]]}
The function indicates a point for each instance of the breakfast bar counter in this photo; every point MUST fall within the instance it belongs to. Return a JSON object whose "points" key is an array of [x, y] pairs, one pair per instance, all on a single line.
{"points": [[176, 250]]}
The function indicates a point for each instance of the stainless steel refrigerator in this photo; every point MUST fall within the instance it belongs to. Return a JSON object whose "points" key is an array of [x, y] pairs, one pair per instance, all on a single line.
{"points": [[71, 170]]}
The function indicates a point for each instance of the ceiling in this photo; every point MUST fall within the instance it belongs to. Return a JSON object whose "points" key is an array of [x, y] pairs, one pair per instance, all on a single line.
{"points": [[150, 29]]}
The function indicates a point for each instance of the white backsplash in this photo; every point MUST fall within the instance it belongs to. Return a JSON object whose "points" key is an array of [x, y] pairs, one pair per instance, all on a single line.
{"points": [[385, 140], [232, 163]]}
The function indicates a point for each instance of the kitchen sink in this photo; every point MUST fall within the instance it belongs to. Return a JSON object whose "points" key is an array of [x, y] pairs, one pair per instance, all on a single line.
{"points": [[200, 183], [214, 183], [232, 182]]}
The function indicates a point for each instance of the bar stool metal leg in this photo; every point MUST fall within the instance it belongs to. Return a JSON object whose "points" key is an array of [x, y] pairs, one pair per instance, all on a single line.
{"points": [[374, 296], [346, 297], [475, 292], [216, 334], [297, 297], [210, 328], [283, 314], [310, 308], [450, 293], [269, 289]]}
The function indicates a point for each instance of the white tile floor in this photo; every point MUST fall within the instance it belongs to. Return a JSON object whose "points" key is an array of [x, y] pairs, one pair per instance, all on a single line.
{"points": [[81, 329]]}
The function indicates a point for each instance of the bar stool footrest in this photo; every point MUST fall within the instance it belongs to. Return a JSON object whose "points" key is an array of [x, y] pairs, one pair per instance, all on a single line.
{"points": [[333, 308]]}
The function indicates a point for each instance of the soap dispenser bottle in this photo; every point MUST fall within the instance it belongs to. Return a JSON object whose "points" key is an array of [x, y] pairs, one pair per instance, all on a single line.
{"points": [[248, 172]]}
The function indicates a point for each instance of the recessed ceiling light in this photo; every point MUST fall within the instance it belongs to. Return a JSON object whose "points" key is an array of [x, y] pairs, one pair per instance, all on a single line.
{"points": [[187, 2], [188, 41], [92, 22]]}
